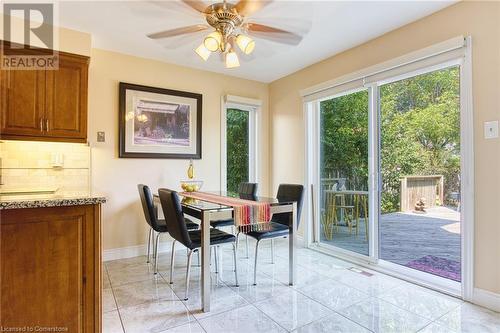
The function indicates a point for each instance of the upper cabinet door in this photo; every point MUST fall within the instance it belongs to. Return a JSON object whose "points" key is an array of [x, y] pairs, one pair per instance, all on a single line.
{"points": [[66, 99], [22, 102]]}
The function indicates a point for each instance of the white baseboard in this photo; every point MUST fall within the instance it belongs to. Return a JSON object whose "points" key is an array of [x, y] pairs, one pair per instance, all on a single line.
{"points": [[134, 251], [486, 299], [141, 250]]}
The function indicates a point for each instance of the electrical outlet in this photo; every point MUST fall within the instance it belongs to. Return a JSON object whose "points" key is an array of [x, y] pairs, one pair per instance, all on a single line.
{"points": [[101, 137], [491, 129]]}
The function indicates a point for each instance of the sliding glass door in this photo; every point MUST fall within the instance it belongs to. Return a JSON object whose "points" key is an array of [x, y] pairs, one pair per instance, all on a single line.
{"points": [[344, 171], [386, 166], [419, 221]]}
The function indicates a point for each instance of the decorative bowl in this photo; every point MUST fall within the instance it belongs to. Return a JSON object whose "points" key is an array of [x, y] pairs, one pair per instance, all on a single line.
{"points": [[191, 185]]}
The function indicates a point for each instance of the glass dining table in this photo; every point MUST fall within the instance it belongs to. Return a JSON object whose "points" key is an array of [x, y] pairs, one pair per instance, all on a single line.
{"points": [[207, 211]]}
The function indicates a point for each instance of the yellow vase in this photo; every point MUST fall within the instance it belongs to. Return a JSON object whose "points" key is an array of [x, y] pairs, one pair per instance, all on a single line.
{"points": [[190, 171]]}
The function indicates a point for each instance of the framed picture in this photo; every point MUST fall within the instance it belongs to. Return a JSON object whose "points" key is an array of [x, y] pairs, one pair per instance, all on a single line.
{"points": [[159, 123]]}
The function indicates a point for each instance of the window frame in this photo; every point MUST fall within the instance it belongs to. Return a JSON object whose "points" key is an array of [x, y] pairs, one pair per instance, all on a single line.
{"points": [[252, 107]]}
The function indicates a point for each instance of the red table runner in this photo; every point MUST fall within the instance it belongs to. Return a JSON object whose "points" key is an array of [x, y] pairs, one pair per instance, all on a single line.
{"points": [[248, 215]]}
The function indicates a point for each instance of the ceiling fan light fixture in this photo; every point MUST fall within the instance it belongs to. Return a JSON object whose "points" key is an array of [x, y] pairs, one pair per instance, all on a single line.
{"points": [[212, 41], [203, 52], [245, 43], [232, 60], [230, 28]]}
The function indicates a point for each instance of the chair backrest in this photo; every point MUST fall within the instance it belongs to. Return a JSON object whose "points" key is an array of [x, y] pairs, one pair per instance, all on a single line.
{"points": [[148, 206], [172, 210], [247, 191], [289, 192]]}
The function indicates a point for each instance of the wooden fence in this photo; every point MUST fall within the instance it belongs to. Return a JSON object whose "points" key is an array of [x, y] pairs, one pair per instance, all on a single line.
{"points": [[413, 188]]}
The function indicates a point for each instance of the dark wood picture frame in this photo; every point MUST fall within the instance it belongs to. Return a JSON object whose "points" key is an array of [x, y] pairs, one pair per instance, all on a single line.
{"points": [[123, 87]]}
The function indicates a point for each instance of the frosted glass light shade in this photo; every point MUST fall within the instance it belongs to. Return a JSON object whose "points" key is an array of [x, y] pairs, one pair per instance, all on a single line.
{"points": [[232, 60], [212, 41], [203, 52], [245, 43]]}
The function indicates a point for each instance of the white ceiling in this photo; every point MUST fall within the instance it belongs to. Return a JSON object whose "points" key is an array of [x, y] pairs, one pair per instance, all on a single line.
{"points": [[331, 26]]}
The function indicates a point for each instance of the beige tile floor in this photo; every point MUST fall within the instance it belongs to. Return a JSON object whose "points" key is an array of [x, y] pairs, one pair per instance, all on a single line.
{"points": [[328, 297]]}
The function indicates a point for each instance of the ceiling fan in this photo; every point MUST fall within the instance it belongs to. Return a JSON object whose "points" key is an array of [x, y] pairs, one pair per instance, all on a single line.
{"points": [[231, 29]]}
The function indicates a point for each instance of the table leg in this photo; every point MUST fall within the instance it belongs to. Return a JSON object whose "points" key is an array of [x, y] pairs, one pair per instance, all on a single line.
{"points": [[291, 242], [205, 262]]}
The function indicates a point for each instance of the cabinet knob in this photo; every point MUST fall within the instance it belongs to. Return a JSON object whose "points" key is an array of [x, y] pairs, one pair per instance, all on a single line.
{"points": [[41, 124], [47, 125]]}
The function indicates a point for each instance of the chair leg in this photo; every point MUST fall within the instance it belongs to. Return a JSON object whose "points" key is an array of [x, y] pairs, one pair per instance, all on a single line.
{"points": [[220, 253], [255, 267], [216, 260], [237, 240], [272, 250], [235, 266], [248, 256], [156, 251], [172, 259], [149, 244], [190, 255]]}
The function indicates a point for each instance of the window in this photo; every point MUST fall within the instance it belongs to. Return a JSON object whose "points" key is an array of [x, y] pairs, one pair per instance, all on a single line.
{"points": [[238, 142]]}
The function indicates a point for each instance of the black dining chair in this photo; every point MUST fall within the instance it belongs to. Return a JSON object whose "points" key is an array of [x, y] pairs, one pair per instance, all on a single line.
{"points": [[155, 224], [280, 222], [245, 191], [190, 239]]}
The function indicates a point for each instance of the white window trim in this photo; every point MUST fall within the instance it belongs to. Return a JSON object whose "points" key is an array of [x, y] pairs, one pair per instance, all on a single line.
{"points": [[399, 62], [252, 106], [344, 85]]}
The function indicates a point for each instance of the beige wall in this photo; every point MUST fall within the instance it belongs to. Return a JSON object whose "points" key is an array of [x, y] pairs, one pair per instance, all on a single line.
{"points": [[480, 20], [116, 178]]}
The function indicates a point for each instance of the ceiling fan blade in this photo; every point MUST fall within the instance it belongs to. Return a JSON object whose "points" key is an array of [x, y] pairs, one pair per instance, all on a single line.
{"points": [[273, 34], [178, 31], [248, 7], [197, 5]]}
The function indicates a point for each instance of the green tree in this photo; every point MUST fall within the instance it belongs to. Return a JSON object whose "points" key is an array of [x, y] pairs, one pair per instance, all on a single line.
{"points": [[344, 139], [420, 133], [237, 148]]}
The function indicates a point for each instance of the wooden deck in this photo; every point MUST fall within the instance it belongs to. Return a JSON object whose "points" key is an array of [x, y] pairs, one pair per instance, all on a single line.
{"points": [[407, 236]]}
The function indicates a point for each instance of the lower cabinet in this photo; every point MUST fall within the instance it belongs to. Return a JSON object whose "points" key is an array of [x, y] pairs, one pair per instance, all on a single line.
{"points": [[51, 268]]}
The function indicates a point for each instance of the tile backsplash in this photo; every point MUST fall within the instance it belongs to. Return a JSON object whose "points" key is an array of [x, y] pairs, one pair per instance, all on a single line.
{"points": [[45, 165]]}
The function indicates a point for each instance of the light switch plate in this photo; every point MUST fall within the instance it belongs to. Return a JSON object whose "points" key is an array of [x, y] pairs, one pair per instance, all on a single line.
{"points": [[101, 137], [491, 129]]}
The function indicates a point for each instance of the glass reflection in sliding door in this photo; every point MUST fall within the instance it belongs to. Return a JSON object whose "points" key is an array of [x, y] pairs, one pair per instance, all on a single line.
{"points": [[344, 172]]}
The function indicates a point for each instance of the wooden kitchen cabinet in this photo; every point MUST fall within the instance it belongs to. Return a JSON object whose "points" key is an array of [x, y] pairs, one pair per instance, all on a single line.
{"points": [[51, 268], [22, 102], [46, 105]]}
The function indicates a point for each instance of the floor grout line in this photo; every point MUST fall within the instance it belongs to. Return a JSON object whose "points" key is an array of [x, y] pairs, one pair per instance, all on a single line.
{"points": [[265, 314], [114, 297]]}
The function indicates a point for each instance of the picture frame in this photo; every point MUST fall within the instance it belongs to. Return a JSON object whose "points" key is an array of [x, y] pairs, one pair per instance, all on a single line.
{"points": [[159, 123]]}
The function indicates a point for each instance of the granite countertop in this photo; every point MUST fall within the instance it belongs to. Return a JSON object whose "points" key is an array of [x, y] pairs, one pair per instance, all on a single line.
{"points": [[49, 200]]}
